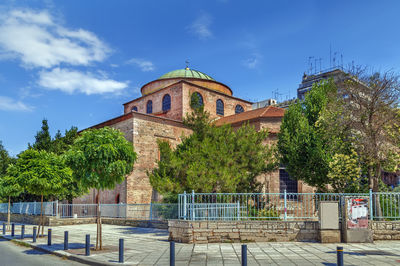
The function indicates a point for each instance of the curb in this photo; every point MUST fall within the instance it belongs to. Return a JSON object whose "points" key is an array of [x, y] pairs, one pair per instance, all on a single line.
{"points": [[62, 254]]}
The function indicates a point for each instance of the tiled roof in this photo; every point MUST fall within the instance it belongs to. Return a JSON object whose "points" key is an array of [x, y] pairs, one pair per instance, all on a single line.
{"points": [[270, 111]]}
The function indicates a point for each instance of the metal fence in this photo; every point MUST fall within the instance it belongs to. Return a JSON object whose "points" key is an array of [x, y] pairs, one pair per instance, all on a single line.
{"points": [[278, 206], [152, 211]]}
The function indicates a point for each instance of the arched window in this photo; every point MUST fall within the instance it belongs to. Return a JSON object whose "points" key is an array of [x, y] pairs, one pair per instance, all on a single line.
{"points": [[149, 107], [117, 199], [220, 107], [196, 100], [239, 109], [134, 108], [166, 102]]}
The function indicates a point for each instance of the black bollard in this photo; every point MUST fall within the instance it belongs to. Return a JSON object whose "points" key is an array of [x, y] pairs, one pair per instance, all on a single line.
{"points": [[339, 251], [22, 231], [65, 240], [49, 237], [172, 253], [244, 255], [121, 250], [34, 234], [87, 245], [12, 229], [4, 228]]}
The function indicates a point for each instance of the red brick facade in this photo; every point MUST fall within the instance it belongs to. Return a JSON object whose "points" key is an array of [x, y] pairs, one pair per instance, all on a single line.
{"points": [[143, 130]]}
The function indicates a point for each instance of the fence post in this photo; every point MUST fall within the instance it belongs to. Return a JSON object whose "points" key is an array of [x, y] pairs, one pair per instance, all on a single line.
{"points": [[285, 204], [192, 213], [151, 211], [238, 211], [20, 207], [371, 210], [34, 208], [57, 208], [184, 205]]}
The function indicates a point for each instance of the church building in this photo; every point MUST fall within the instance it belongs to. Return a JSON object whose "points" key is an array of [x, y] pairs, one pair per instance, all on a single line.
{"points": [[158, 114]]}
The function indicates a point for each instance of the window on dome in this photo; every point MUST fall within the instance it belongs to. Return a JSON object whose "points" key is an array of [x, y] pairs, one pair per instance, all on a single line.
{"points": [[220, 107], [166, 102], [196, 100], [149, 107], [239, 109], [134, 108]]}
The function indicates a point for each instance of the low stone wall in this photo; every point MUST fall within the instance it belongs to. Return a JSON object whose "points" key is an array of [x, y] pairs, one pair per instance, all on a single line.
{"points": [[386, 230], [54, 221], [242, 231], [24, 219]]}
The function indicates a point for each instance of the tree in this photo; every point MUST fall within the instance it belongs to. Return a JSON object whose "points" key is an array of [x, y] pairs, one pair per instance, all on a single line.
{"points": [[372, 108], [60, 144], [311, 140], [212, 159], [41, 173], [9, 187], [100, 159], [5, 160], [42, 138]]}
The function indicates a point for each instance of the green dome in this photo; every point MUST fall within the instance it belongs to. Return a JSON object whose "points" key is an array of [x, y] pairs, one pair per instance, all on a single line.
{"points": [[186, 73]]}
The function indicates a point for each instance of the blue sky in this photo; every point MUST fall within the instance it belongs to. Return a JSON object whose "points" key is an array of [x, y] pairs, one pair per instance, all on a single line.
{"points": [[75, 62]]}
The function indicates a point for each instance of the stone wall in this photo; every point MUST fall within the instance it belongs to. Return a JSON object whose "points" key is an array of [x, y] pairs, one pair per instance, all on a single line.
{"points": [[210, 101], [386, 230], [146, 131], [242, 231]]}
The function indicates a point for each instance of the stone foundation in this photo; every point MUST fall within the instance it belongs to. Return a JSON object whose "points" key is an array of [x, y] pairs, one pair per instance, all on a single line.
{"points": [[386, 230], [242, 231]]}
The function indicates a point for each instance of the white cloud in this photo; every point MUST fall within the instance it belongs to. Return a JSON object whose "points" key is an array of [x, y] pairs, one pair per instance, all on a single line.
{"points": [[35, 38], [144, 65], [9, 104], [253, 61], [201, 27], [71, 81]]}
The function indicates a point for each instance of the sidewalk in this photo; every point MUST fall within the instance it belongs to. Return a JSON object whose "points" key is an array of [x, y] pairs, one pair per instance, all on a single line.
{"points": [[148, 246]]}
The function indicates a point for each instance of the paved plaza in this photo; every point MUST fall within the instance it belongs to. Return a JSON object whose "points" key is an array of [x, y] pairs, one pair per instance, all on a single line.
{"points": [[148, 246]]}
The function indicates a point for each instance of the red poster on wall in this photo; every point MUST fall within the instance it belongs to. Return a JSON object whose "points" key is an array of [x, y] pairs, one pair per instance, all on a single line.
{"points": [[357, 212]]}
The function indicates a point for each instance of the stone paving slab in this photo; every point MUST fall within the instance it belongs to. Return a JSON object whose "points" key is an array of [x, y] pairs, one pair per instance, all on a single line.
{"points": [[147, 246]]}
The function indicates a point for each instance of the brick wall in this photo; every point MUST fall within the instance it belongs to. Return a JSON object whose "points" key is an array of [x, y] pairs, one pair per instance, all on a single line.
{"points": [[242, 231], [210, 101], [146, 131]]}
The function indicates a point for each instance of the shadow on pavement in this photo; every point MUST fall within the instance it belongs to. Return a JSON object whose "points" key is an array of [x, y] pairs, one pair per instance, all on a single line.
{"points": [[367, 252], [143, 231]]}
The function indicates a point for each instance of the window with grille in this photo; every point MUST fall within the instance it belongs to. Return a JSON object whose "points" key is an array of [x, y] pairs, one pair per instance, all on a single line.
{"points": [[149, 107], [220, 107], [166, 102], [239, 109], [286, 182], [196, 100]]}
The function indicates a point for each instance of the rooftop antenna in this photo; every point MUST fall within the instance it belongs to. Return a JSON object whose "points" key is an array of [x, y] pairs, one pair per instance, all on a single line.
{"points": [[187, 64], [334, 59], [310, 64], [341, 58], [320, 65]]}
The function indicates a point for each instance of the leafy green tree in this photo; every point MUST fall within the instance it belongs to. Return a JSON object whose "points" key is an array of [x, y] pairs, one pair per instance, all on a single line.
{"points": [[345, 172], [100, 159], [212, 159], [60, 144], [311, 139], [41, 173], [5, 160], [9, 187]]}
